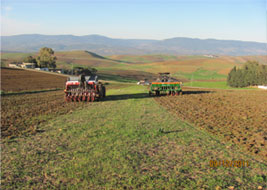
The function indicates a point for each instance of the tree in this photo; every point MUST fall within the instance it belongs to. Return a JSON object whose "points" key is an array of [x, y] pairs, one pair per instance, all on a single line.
{"points": [[86, 71], [249, 75], [239, 82], [231, 77], [29, 59], [46, 58]]}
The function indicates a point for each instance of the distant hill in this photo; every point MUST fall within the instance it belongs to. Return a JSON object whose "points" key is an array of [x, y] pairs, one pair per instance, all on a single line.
{"points": [[79, 54], [109, 46]]}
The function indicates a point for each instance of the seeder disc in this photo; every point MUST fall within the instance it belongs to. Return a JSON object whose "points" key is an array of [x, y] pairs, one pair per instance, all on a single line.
{"points": [[84, 97], [92, 97]]}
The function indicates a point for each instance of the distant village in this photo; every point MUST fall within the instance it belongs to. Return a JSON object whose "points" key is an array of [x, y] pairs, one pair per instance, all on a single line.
{"points": [[33, 66], [211, 56]]}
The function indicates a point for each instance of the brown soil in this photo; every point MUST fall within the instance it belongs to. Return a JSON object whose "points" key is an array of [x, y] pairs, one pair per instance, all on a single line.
{"points": [[237, 116], [21, 114], [16, 80]]}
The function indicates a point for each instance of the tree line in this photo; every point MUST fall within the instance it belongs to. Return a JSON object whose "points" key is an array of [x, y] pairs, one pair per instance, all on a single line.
{"points": [[45, 59], [251, 74]]}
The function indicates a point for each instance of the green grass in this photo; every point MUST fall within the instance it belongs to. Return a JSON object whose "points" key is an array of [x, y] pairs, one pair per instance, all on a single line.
{"points": [[116, 78], [125, 142], [200, 74]]}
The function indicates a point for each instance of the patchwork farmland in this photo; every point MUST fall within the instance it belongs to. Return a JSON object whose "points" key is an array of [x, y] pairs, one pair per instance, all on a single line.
{"points": [[131, 140]]}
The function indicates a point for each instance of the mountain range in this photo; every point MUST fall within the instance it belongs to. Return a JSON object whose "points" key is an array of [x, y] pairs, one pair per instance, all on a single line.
{"points": [[110, 46]]}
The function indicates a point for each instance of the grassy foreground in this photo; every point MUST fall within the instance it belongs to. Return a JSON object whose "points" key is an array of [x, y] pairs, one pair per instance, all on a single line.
{"points": [[125, 142]]}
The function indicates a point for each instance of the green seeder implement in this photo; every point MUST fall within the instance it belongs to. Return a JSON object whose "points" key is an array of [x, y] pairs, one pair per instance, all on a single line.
{"points": [[165, 85], [170, 88]]}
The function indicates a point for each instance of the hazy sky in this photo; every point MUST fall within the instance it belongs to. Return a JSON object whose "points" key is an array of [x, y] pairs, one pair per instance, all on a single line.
{"points": [[143, 19]]}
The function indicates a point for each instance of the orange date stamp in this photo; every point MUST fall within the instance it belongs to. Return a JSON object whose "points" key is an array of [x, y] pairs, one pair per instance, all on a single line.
{"points": [[228, 163]]}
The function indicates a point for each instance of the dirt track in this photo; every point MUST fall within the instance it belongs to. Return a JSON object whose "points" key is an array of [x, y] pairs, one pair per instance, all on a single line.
{"points": [[238, 116]]}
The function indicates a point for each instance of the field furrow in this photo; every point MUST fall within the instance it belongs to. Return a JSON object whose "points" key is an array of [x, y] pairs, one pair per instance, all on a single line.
{"points": [[239, 117], [23, 113]]}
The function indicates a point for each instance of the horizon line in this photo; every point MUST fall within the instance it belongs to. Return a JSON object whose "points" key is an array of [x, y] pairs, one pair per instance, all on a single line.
{"points": [[197, 38]]}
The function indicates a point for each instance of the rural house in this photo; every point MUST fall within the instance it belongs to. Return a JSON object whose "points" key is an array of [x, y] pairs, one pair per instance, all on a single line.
{"points": [[28, 65]]}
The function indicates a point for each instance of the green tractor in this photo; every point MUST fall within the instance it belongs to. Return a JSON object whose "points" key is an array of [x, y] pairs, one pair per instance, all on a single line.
{"points": [[165, 85]]}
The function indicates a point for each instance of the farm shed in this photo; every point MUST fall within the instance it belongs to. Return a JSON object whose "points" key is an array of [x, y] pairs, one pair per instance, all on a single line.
{"points": [[13, 65], [28, 65]]}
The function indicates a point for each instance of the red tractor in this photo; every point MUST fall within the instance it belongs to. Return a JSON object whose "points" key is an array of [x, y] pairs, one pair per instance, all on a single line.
{"points": [[84, 88]]}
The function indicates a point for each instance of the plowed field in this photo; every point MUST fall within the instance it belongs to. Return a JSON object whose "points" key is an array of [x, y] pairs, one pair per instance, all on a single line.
{"points": [[237, 116], [21, 114], [16, 80]]}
